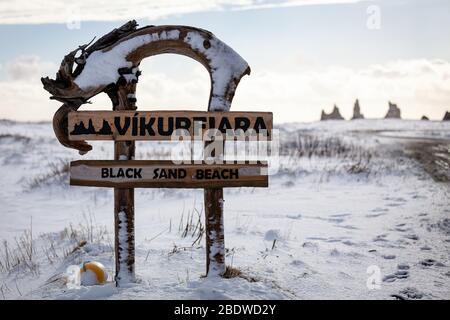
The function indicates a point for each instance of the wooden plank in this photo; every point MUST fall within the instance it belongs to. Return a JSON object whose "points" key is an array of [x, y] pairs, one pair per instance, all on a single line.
{"points": [[159, 125], [165, 174]]}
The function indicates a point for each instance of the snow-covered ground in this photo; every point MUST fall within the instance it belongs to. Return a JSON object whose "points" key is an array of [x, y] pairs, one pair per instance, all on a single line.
{"points": [[352, 202]]}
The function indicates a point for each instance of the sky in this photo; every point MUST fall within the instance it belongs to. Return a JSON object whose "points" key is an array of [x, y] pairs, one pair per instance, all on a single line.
{"points": [[305, 55]]}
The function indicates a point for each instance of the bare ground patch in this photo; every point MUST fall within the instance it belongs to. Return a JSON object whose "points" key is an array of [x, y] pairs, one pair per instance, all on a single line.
{"points": [[434, 156]]}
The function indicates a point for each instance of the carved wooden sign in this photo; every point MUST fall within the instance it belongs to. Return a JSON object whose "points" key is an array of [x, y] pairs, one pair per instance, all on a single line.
{"points": [[161, 125], [111, 65], [165, 174]]}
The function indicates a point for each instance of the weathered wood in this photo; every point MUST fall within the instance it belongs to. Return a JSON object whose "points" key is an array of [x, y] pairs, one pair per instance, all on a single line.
{"points": [[159, 125], [166, 174], [214, 232], [154, 40], [214, 220], [124, 197], [75, 86], [124, 222], [60, 127]]}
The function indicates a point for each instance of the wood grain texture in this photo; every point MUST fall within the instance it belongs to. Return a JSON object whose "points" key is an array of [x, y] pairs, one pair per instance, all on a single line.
{"points": [[159, 125], [214, 232], [165, 174], [214, 221], [124, 197]]}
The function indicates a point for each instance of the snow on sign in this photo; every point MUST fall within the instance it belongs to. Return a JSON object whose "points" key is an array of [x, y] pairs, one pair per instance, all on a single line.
{"points": [[161, 125], [111, 65], [165, 174]]}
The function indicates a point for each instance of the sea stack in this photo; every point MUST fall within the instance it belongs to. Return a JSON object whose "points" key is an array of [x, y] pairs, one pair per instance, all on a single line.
{"points": [[334, 115], [393, 112], [446, 116], [424, 118], [357, 111]]}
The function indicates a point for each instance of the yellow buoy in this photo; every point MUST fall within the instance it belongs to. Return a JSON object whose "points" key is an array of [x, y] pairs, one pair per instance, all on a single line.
{"points": [[92, 273]]}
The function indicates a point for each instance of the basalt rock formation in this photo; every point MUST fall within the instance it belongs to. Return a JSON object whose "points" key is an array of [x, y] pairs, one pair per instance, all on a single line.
{"points": [[446, 116], [393, 112], [357, 111], [334, 115]]}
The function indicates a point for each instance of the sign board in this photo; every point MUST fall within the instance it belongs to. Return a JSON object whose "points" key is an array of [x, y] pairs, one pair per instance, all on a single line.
{"points": [[124, 125], [165, 174], [160, 125]]}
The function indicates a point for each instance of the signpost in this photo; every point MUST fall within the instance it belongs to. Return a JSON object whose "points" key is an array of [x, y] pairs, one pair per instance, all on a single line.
{"points": [[165, 174], [161, 125], [114, 71]]}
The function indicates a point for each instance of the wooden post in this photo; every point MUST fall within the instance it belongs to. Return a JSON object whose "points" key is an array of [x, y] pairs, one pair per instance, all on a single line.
{"points": [[123, 97], [196, 43], [214, 229], [124, 223]]}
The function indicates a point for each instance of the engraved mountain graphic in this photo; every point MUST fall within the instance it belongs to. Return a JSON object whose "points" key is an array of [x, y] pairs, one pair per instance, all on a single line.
{"points": [[106, 129], [80, 129]]}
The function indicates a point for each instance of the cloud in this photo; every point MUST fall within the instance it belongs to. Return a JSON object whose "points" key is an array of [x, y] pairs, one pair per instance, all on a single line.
{"points": [[27, 66], [22, 95], [418, 86], [70, 12]]}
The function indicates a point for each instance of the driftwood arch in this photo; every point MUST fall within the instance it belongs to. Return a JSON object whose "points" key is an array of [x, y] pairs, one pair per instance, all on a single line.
{"points": [[75, 86], [111, 65]]}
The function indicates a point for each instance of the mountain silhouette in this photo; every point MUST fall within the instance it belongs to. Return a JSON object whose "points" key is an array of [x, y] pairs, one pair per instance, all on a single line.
{"points": [[106, 129], [80, 129]]}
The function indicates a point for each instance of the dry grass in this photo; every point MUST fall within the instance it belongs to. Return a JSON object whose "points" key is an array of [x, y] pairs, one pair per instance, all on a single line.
{"points": [[231, 272], [58, 172], [306, 145], [14, 138], [27, 253], [351, 157], [192, 225], [20, 255]]}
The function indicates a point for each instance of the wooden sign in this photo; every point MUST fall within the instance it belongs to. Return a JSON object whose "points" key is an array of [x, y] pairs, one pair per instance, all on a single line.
{"points": [[74, 86], [165, 174], [160, 125]]}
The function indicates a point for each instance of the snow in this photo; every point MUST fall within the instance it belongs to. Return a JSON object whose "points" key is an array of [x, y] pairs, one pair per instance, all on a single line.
{"points": [[102, 67], [88, 292], [272, 235], [216, 270], [88, 278], [437, 129], [225, 64], [331, 226], [130, 77], [124, 274]]}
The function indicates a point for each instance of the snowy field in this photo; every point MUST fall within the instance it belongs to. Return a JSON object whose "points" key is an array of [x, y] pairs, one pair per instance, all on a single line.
{"points": [[352, 203]]}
